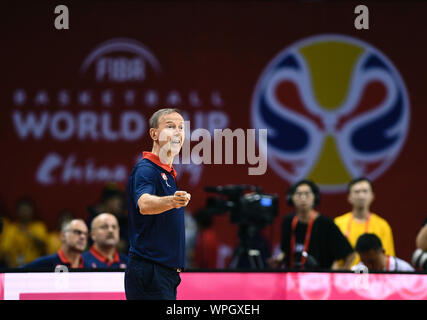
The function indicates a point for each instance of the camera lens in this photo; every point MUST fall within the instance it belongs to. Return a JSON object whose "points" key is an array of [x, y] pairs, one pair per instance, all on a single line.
{"points": [[419, 259]]}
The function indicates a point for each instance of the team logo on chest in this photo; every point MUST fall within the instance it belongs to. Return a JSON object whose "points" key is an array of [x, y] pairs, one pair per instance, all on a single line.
{"points": [[165, 177]]}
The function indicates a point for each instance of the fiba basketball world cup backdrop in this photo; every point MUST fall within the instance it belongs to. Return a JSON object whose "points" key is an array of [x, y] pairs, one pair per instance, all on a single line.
{"points": [[337, 102], [336, 108]]}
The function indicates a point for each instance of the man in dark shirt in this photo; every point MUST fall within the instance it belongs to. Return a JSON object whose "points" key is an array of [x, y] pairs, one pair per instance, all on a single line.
{"points": [[156, 214], [74, 236], [104, 231], [311, 241]]}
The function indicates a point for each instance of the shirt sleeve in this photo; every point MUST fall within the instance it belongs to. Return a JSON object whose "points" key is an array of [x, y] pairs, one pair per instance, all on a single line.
{"points": [[41, 262], [143, 182], [403, 266], [339, 244]]}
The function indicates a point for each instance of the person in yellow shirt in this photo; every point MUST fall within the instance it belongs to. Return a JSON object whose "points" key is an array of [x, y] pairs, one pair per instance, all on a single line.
{"points": [[25, 239], [361, 220], [4, 226]]}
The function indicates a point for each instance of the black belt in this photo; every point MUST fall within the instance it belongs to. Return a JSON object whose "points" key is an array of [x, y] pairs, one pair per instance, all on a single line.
{"points": [[139, 258]]}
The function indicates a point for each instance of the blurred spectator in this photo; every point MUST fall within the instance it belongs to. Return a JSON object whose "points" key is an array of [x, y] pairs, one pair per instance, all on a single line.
{"points": [[207, 244], [310, 240], [25, 239], [54, 237], [421, 241], [190, 238], [113, 201], [419, 257], [4, 222], [73, 242], [3, 263], [360, 220], [372, 255], [104, 232]]}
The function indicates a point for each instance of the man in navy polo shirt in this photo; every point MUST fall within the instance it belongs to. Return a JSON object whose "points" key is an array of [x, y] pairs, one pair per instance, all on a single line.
{"points": [[156, 214], [74, 235], [104, 231]]}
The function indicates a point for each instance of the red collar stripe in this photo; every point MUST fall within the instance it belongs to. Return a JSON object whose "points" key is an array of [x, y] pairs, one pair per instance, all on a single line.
{"points": [[156, 160], [98, 255], [65, 260]]}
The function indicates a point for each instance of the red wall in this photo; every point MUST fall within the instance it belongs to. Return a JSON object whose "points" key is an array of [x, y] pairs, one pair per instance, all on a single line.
{"points": [[212, 48]]}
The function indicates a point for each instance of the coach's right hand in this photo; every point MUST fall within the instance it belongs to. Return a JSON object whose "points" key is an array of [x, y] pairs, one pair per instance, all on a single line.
{"points": [[181, 199]]}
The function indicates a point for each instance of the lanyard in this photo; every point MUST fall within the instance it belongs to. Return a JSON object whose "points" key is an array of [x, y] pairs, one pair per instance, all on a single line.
{"points": [[307, 237], [388, 263], [351, 221]]}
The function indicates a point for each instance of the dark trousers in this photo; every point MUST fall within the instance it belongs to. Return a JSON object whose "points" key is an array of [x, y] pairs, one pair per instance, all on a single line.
{"points": [[146, 280]]}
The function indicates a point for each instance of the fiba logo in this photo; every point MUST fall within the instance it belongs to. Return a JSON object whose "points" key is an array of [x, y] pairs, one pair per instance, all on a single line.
{"points": [[335, 108], [121, 60]]}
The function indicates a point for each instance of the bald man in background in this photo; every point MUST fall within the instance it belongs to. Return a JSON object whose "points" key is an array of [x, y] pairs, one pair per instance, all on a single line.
{"points": [[104, 232]]}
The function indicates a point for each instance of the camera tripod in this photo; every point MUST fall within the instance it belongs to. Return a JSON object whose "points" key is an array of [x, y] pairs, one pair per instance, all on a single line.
{"points": [[246, 250]]}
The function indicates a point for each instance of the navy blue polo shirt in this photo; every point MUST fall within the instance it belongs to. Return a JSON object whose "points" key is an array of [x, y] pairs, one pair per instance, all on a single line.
{"points": [[159, 237], [94, 259], [50, 262]]}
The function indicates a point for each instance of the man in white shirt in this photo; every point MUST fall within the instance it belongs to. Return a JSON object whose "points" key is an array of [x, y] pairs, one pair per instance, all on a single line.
{"points": [[373, 257]]}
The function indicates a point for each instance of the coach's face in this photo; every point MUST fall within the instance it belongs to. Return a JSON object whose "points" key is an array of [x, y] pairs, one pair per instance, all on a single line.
{"points": [[170, 133]]}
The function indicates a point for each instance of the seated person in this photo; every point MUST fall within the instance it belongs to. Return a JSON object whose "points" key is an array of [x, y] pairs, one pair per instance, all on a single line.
{"points": [[74, 240], [25, 238], [373, 257], [311, 240], [103, 253]]}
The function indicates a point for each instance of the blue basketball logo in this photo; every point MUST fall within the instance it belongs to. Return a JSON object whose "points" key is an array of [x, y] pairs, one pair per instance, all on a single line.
{"points": [[335, 108]]}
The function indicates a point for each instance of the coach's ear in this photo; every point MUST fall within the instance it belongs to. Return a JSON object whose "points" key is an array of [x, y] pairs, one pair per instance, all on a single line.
{"points": [[153, 134]]}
